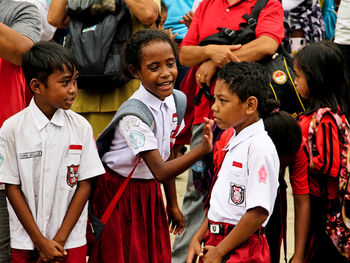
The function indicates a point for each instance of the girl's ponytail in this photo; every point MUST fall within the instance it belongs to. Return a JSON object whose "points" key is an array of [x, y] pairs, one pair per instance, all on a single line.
{"points": [[269, 108]]}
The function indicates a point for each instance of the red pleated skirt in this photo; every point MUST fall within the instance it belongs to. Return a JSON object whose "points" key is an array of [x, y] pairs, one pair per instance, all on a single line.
{"points": [[138, 229]]}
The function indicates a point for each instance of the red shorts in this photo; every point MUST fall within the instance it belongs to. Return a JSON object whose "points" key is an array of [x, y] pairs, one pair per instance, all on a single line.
{"points": [[74, 255], [254, 249]]}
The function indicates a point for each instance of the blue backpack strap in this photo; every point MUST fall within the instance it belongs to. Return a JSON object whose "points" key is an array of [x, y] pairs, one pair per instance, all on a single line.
{"points": [[180, 104], [130, 107]]}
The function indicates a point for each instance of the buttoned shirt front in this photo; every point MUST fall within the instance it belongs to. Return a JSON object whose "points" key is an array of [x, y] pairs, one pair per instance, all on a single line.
{"points": [[47, 158], [248, 176], [133, 136]]}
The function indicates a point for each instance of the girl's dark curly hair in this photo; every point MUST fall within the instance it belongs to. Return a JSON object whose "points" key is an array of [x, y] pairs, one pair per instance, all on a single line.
{"points": [[139, 40]]}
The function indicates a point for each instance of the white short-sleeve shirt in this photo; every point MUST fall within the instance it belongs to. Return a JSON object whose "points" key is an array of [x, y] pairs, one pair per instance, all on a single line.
{"points": [[248, 176], [133, 136], [47, 158]]}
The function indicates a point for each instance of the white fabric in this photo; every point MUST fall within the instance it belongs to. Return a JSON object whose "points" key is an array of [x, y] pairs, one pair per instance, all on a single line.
{"points": [[38, 155], [290, 4], [133, 136], [250, 153], [43, 6], [342, 28], [195, 5]]}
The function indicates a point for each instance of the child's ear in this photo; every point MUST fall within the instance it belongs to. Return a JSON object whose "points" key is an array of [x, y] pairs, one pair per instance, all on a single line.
{"points": [[35, 85], [134, 71], [252, 105]]}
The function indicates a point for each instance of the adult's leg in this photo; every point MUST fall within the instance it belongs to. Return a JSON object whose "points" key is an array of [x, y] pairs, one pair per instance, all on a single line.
{"points": [[4, 230], [192, 208]]}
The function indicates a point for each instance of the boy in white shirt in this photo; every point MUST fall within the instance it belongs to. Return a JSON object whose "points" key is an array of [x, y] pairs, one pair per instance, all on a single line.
{"points": [[48, 157]]}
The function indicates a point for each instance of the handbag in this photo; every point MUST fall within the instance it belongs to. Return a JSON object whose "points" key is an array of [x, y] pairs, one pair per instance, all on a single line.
{"points": [[279, 65], [97, 225]]}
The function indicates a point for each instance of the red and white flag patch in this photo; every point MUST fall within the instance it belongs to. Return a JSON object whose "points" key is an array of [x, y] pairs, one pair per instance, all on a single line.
{"points": [[175, 117], [237, 164], [75, 149], [262, 174]]}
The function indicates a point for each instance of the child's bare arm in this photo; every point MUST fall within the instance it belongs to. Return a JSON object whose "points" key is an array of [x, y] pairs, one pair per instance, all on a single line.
{"points": [[301, 225], [49, 249], [163, 171], [195, 248], [175, 217], [74, 211], [249, 223]]}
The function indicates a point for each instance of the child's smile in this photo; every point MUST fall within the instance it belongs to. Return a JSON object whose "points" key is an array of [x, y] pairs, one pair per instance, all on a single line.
{"points": [[158, 70]]}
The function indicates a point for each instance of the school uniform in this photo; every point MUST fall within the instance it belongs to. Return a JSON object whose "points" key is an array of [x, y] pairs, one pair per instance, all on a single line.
{"points": [[138, 230], [47, 158], [248, 178]]}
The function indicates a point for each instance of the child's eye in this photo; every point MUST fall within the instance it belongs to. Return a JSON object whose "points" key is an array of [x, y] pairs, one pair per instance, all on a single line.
{"points": [[222, 100], [65, 83], [171, 64], [154, 68]]}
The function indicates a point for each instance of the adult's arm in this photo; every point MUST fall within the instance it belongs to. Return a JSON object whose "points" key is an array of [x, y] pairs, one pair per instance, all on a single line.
{"points": [[8, 50], [146, 11], [57, 15], [222, 54]]}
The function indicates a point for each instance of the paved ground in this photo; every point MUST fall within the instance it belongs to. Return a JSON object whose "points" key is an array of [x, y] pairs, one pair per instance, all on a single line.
{"points": [[181, 188]]}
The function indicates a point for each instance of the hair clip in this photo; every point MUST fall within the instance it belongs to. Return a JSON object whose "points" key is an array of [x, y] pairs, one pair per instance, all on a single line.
{"points": [[275, 110]]}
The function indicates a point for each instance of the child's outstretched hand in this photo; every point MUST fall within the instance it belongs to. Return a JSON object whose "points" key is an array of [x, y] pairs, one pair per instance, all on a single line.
{"points": [[207, 139], [176, 220]]}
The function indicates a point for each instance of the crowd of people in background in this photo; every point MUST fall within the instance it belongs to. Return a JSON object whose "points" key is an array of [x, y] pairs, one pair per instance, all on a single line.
{"points": [[54, 182]]}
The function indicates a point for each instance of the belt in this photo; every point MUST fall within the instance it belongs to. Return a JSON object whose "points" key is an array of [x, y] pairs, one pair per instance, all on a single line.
{"points": [[224, 230]]}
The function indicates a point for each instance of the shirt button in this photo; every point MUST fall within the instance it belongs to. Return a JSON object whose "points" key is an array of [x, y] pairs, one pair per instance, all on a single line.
{"points": [[227, 10]]}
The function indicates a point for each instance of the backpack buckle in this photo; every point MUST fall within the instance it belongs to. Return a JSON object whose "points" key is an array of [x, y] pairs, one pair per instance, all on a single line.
{"points": [[230, 33], [251, 22]]}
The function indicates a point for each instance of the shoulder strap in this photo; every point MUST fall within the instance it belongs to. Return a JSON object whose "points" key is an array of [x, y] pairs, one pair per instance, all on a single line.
{"points": [[130, 107], [180, 104], [253, 17]]}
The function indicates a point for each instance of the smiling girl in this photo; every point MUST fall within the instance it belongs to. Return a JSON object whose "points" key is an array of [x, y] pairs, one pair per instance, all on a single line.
{"points": [[138, 230]]}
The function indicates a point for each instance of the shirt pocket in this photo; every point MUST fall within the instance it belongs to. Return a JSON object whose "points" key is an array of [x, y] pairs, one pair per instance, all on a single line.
{"points": [[70, 176]]}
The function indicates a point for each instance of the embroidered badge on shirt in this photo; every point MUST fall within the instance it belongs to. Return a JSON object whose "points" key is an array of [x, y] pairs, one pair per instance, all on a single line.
{"points": [[72, 175], [75, 149], [131, 123], [137, 139], [279, 76], [262, 174], [1, 158], [174, 117], [237, 195], [29, 155]]}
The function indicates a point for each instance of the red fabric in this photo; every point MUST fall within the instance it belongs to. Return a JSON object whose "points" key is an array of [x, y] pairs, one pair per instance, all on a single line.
{"points": [[327, 160], [218, 158], [254, 249], [188, 86], [138, 230], [213, 13], [298, 171], [12, 90], [75, 255]]}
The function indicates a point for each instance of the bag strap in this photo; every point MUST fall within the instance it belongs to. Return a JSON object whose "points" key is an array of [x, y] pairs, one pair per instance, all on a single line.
{"points": [[107, 214], [253, 17]]}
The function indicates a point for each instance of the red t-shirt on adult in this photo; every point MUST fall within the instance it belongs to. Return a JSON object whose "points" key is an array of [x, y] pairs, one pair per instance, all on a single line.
{"points": [[12, 90], [218, 13]]}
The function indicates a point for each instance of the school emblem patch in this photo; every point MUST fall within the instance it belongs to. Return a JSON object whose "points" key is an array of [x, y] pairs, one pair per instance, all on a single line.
{"points": [[72, 175], [137, 139], [262, 174], [279, 76], [1, 158], [237, 195]]}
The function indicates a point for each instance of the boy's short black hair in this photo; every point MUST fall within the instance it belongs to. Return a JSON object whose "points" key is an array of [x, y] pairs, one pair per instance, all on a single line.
{"points": [[247, 79], [139, 40], [44, 58]]}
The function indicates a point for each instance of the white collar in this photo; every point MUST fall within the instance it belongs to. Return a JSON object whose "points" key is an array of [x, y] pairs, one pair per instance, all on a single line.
{"points": [[41, 120], [151, 99], [244, 134]]}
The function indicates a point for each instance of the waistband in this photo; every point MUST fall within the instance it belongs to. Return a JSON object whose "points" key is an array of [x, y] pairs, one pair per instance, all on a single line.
{"points": [[225, 229]]}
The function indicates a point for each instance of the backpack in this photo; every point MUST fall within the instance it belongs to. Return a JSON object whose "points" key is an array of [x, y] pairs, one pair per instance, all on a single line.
{"points": [[279, 65], [98, 47], [139, 109], [338, 215]]}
